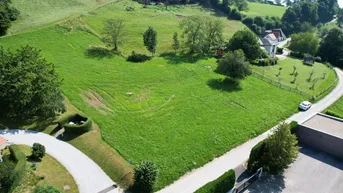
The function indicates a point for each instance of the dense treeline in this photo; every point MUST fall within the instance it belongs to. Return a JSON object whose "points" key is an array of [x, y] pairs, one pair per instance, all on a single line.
{"points": [[7, 14], [305, 14]]}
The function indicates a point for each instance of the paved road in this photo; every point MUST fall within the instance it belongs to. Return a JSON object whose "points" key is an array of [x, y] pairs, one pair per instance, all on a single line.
{"points": [[211, 171], [89, 177]]}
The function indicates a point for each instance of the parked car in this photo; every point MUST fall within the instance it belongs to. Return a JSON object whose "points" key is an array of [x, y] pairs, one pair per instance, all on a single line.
{"points": [[305, 105]]}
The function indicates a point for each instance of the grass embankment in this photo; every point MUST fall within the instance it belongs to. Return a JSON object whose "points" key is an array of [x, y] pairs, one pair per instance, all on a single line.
{"points": [[336, 109], [181, 114], [259, 9], [53, 173], [302, 81], [37, 13]]}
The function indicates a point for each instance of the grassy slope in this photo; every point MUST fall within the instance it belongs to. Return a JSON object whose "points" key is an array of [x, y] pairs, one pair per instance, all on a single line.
{"points": [[55, 175], [259, 9], [303, 70], [337, 107], [165, 22], [35, 13], [204, 119], [181, 114]]}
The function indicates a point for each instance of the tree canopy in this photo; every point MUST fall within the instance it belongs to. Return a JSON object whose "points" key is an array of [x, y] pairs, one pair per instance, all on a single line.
{"points": [[31, 84], [114, 33], [201, 33], [247, 41], [331, 47], [276, 152], [234, 65], [304, 42], [8, 13], [150, 40]]}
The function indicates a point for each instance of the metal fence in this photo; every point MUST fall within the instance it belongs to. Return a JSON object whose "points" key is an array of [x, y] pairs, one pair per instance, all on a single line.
{"points": [[243, 185], [295, 90]]}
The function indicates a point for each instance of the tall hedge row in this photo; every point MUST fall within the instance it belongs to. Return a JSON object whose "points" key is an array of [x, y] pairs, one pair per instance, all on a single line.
{"points": [[223, 184], [19, 157]]}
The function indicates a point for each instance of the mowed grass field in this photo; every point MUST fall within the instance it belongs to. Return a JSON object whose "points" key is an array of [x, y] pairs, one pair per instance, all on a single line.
{"points": [[337, 108], [259, 9], [181, 114], [36, 13], [302, 83]]}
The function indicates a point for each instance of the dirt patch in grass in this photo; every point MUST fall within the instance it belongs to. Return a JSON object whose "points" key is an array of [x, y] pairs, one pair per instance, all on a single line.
{"points": [[95, 100]]}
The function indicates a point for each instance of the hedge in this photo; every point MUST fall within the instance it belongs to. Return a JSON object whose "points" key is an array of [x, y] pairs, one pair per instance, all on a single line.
{"points": [[334, 114], [77, 129], [294, 126], [223, 184], [19, 157], [254, 162]]}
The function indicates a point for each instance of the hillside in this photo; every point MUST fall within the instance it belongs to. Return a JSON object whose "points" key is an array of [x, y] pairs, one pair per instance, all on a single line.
{"points": [[259, 9], [40, 12]]}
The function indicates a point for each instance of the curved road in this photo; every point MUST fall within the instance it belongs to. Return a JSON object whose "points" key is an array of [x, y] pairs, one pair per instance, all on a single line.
{"points": [[89, 177], [195, 179]]}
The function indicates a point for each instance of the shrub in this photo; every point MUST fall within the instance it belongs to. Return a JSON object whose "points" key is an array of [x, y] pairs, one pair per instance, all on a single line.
{"points": [[221, 185], [82, 124], [279, 50], [12, 13], [19, 157], [98, 51], [145, 176], [46, 189], [6, 169], [296, 55], [38, 151], [265, 62], [235, 15], [334, 114], [294, 126], [138, 57]]}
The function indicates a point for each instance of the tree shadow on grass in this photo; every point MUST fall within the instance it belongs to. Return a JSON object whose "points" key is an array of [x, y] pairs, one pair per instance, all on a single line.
{"points": [[174, 58], [226, 85], [98, 52]]}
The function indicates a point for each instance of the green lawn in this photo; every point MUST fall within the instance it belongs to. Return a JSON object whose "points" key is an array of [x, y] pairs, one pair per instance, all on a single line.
{"points": [[54, 174], [259, 9], [181, 114], [36, 13], [304, 71], [337, 108]]}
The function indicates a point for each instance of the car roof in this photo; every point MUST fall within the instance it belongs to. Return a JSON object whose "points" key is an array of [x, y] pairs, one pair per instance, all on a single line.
{"points": [[306, 103]]}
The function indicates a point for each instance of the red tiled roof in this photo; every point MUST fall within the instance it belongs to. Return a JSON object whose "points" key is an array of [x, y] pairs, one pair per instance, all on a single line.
{"points": [[271, 35], [2, 140]]}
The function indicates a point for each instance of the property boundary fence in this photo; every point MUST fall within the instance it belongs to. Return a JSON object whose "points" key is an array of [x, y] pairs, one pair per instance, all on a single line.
{"points": [[243, 185], [295, 90]]}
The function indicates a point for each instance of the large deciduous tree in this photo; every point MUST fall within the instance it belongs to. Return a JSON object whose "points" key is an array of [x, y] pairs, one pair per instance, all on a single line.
{"points": [[331, 47], [304, 43], [150, 40], [7, 14], [201, 33], [114, 33], [29, 84], [276, 152], [234, 65], [247, 41]]}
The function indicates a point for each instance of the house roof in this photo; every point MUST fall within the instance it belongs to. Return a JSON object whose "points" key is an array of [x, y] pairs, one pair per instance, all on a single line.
{"points": [[271, 37], [2, 140], [266, 42], [280, 32]]}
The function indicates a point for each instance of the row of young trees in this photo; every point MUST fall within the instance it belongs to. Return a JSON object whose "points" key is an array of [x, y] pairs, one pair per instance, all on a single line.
{"points": [[8, 13]]}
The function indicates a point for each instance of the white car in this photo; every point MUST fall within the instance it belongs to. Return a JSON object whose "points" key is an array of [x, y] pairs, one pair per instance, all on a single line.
{"points": [[305, 105]]}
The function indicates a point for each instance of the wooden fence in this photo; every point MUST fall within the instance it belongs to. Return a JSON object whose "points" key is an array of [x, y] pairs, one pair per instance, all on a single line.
{"points": [[295, 90]]}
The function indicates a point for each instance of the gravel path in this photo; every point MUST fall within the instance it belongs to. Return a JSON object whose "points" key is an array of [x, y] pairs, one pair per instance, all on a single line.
{"points": [[195, 179], [89, 177]]}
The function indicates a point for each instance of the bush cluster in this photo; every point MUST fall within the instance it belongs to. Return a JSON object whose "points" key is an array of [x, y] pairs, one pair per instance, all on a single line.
{"points": [[138, 57], [19, 157], [279, 50], [77, 128], [98, 51], [221, 185], [38, 151], [297, 55], [265, 62], [145, 177]]}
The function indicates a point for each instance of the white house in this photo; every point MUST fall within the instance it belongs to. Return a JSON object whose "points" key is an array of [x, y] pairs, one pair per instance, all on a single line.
{"points": [[3, 143], [269, 43]]}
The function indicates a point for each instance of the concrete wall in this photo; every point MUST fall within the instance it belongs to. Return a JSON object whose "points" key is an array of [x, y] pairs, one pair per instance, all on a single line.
{"points": [[320, 140]]}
